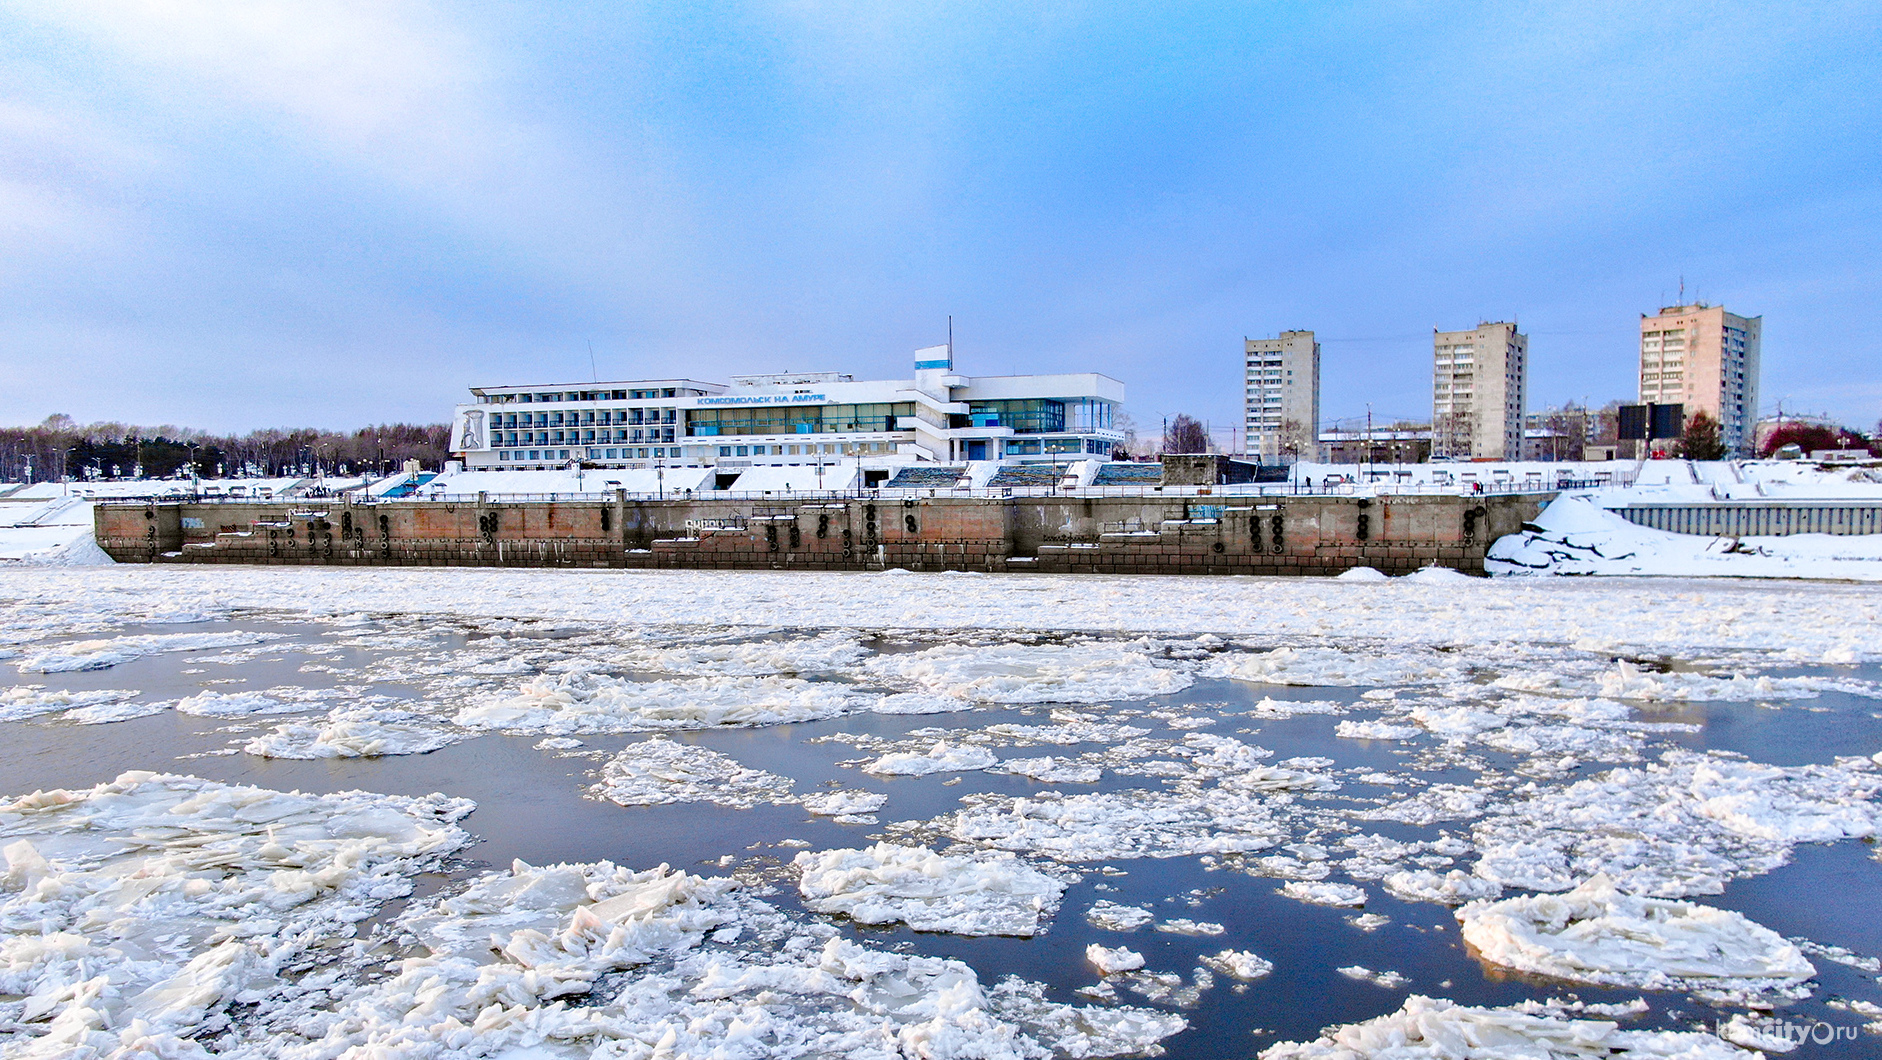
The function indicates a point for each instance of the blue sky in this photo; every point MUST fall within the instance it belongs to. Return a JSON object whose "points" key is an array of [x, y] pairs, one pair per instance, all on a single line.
{"points": [[234, 215]]}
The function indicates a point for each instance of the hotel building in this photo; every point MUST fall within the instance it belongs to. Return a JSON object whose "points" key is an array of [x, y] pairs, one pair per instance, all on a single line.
{"points": [[1703, 357], [938, 416]]}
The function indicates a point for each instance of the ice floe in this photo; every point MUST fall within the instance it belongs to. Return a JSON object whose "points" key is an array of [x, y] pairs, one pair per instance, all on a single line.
{"points": [[1597, 934], [1100, 826], [1684, 825], [1112, 916], [1112, 960], [1333, 667], [1238, 964], [943, 757], [887, 883], [1032, 673], [1437, 1029], [658, 771], [1340, 894], [356, 732], [104, 654], [151, 904], [583, 703]]}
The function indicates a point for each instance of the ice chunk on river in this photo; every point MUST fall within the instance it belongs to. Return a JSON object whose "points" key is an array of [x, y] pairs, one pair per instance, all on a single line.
{"points": [[885, 883], [358, 732], [1032, 673], [581, 703], [165, 899], [659, 771], [1437, 1029], [1596, 934]]}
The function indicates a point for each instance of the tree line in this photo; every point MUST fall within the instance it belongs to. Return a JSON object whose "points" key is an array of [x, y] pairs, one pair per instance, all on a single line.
{"points": [[60, 448]]}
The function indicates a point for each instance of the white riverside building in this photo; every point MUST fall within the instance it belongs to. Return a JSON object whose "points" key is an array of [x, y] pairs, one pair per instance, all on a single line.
{"points": [[814, 418]]}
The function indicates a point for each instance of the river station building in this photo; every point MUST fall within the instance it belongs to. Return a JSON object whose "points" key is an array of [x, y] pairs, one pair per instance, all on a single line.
{"points": [[939, 416]]}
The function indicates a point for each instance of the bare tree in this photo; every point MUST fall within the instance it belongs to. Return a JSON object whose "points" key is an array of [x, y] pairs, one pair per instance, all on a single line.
{"points": [[1185, 434]]}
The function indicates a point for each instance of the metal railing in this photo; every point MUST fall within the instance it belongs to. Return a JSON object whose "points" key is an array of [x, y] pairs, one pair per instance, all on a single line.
{"points": [[1757, 519], [1248, 490]]}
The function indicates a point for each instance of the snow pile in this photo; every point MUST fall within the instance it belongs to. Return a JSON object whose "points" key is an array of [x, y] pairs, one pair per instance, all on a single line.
{"points": [[582, 703], [355, 732], [659, 771], [887, 883], [1596, 934], [943, 757], [1573, 535], [1436, 1029], [1032, 673], [1330, 666], [1437, 576], [1360, 574], [152, 904], [56, 546], [1682, 826], [104, 654], [1134, 823]]}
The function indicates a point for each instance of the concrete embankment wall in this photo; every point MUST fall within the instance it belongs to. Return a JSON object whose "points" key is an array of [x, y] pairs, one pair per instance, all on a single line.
{"points": [[1119, 535]]}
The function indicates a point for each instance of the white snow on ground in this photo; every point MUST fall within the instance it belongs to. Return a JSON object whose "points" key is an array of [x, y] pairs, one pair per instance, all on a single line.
{"points": [[136, 912], [1436, 1029], [888, 883], [943, 757], [1574, 535], [352, 732], [657, 771], [1596, 934], [1025, 673], [1684, 825], [595, 703], [104, 654]]}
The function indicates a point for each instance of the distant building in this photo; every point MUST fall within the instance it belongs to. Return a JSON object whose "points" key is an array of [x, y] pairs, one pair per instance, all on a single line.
{"points": [[1397, 444], [1281, 396], [1557, 433], [807, 418], [1703, 357], [1478, 382]]}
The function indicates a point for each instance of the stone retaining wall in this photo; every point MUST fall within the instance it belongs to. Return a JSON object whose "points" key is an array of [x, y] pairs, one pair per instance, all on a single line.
{"points": [[1114, 535]]}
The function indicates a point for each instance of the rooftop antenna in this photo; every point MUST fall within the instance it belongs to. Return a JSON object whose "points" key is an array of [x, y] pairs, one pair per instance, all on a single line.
{"points": [[950, 339], [592, 370], [1682, 288]]}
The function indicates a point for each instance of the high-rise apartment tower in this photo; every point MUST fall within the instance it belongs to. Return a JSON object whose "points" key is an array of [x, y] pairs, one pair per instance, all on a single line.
{"points": [[1705, 358], [1478, 382], [1281, 397]]}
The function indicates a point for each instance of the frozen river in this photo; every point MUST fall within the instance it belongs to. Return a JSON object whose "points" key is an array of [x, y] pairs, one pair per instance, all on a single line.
{"points": [[301, 812]]}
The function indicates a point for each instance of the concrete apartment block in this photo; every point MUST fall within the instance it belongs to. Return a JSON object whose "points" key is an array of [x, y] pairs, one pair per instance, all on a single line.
{"points": [[1281, 397], [1704, 358], [1479, 380]]}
